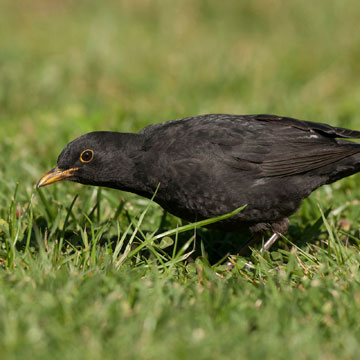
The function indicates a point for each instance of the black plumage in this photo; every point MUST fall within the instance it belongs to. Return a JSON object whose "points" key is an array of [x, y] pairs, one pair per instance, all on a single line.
{"points": [[209, 165]]}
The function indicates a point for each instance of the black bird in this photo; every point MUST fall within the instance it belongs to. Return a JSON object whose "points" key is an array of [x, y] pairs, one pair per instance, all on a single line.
{"points": [[209, 165]]}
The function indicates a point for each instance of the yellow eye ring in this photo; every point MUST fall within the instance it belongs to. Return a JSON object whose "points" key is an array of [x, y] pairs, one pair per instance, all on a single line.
{"points": [[87, 156]]}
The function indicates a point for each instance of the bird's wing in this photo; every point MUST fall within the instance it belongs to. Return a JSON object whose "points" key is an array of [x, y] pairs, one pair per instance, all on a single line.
{"points": [[286, 146], [285, 162], [267, 145]]}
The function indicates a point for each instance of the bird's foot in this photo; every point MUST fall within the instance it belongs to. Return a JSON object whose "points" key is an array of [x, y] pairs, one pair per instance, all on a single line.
{"points": [[230, 262], [272, 240]]}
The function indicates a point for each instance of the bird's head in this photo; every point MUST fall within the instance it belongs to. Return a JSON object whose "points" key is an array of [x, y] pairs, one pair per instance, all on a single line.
{"points": [[97, 158]]}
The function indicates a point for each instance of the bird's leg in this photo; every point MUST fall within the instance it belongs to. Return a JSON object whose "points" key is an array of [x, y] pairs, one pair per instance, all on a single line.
{"points": [[245, 249], [254, 239], [272, 240]]}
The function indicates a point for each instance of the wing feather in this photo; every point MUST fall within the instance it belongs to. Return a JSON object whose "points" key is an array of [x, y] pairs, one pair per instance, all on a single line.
{"points": [[285, 166], [268, 145], [288, 146]]}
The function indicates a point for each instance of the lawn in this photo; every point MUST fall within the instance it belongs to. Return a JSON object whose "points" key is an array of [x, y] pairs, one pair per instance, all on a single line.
{"points": [[91, 273]]}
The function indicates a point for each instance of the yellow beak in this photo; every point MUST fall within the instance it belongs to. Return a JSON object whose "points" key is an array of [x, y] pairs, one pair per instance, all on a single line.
{"points": [[55, 175]]}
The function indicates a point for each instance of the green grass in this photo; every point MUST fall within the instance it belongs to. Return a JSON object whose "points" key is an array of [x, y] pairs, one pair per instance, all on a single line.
{"points": [[99, 274]]}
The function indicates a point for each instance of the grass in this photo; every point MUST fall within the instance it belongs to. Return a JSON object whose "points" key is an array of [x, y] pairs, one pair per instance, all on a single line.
{"points": [[99, 274]]}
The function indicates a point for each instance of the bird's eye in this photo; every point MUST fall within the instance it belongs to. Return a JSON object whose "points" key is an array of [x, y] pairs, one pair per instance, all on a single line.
{"points": [[86, 156]]}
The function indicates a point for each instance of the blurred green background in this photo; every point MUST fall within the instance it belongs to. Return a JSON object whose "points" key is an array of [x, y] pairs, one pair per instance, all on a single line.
{"points": [[69, 67]]}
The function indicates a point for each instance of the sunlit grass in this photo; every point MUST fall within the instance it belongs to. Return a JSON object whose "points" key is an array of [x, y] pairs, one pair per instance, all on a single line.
{"points": [[100, 274]]}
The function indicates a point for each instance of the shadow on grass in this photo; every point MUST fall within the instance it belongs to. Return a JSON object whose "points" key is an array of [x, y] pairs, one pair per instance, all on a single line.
{"points": [[211, 244]]}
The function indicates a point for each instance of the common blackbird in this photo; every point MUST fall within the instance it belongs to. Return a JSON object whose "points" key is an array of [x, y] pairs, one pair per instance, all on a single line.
{"points": [[209, 165]]}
